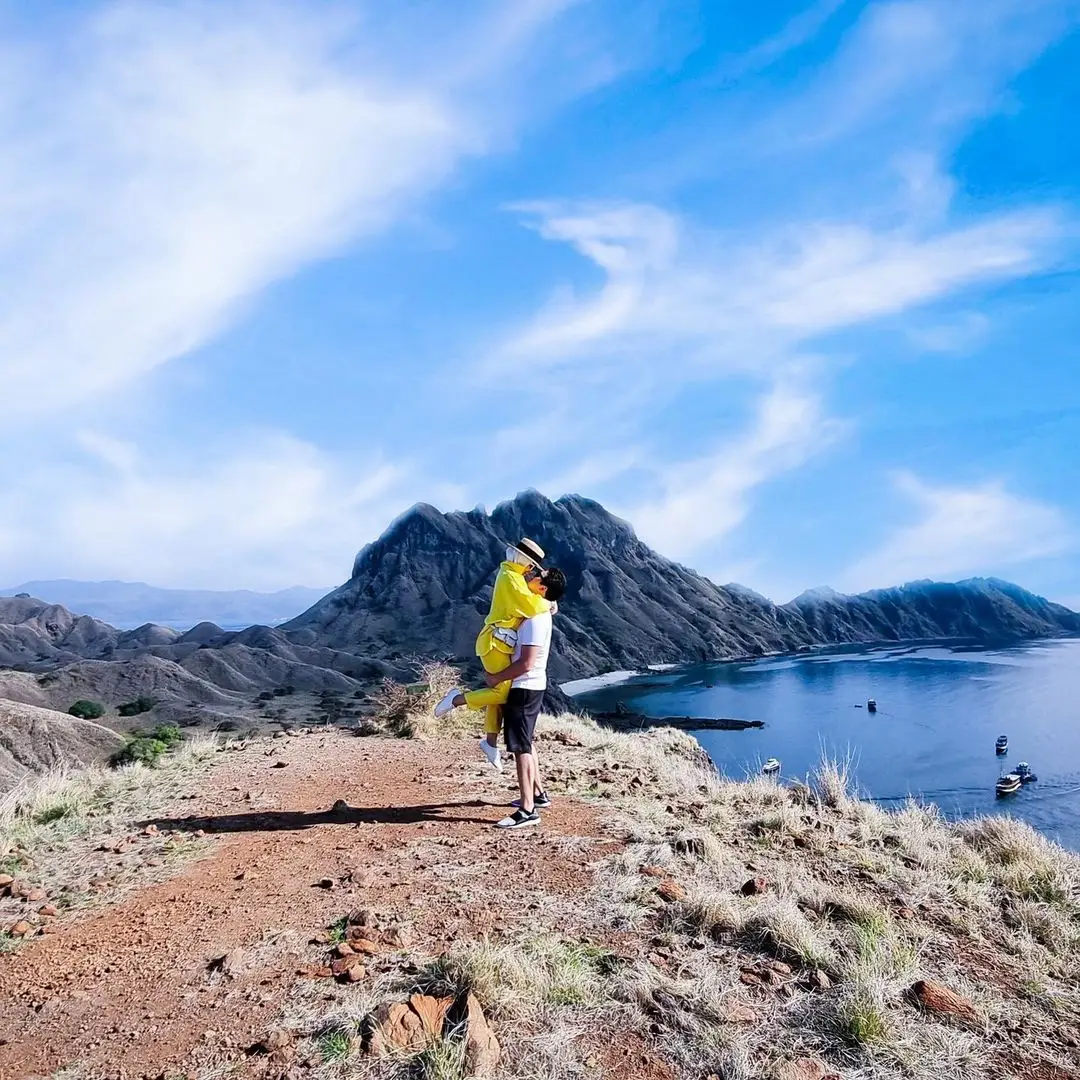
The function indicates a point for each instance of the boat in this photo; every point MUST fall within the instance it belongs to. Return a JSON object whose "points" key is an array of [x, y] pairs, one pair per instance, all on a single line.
{"points": [[871, 705], [771, 766], [1002, 744], [1008, 784], [1023, 770]]}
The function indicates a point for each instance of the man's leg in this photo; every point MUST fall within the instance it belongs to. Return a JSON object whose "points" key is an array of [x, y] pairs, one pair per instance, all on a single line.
{"points": [[519, 725]]}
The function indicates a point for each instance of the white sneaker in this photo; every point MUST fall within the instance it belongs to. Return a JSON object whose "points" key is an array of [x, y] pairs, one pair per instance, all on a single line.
{"points": [[492, 754], [447, 703]]}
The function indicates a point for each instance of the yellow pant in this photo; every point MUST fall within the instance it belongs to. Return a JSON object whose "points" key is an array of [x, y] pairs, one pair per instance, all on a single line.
{"points": [[494, 698]]}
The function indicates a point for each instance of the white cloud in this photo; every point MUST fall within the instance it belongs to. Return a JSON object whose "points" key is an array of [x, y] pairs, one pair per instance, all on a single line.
{"points": [[270, 510], [164, 163], [719, 306], [960, 532], [707, 498]]}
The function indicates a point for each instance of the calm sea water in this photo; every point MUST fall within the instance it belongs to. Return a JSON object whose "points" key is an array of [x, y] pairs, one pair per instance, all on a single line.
{"points": [[939, 712]]}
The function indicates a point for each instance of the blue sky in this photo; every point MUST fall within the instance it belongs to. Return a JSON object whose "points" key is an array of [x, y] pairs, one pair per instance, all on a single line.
{"points": [[792, 287]]}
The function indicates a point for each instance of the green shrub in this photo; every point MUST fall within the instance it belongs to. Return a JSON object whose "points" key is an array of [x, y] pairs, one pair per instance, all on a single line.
{"points": [[147, 747], [87, 710], [143, 703]]}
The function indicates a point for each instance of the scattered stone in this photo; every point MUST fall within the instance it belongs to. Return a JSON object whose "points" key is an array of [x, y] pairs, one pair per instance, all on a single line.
{"points": [[670, 891], [805, 1068], [482, 1050], [344, 964], [652, 871], [397, 1028], [779, 967], [362, 917], [432, 1012], [278, 1041], [818, 980], [48, 911], [280, 765], [365, 947], [150, 830], [945, 1003], [905, 913], [738, 1012], [36, 895], [751, 978], [228, 963], [6, 881], [18, 889], [344, 949], [399, 937], [324, 883], [754, 887]]}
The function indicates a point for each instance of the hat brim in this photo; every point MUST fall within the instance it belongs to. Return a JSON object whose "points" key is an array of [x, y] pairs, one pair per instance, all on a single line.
{"points": [[529, 556]]}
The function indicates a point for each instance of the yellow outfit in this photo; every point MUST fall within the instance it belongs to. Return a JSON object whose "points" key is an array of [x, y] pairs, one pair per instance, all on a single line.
{"points": [[511, 603]]}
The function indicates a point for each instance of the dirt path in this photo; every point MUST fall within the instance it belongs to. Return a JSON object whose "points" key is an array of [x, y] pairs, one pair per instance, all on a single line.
{"points": [[130, 990]]}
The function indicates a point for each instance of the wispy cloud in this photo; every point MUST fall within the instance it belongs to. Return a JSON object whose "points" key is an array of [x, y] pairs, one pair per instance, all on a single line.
{"points": [[962, 531], [705, 499], [262, 509], [735, 305]]}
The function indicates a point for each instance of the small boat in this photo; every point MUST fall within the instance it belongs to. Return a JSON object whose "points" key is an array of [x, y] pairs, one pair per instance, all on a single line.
{"points": [[1008, 784], [871, 705], [1002, 744], [771, 766], [1023, 770]]}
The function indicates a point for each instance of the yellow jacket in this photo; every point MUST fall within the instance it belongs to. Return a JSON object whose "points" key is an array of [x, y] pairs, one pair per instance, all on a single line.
{"points": [[511, 602]]}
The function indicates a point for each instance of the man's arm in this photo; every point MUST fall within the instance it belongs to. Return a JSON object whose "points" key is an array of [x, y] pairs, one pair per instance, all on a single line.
{"points": [[530, 655]]}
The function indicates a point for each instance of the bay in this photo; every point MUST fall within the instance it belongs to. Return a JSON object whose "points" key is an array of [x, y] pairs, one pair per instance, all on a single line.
{"points": [[939, 710]]}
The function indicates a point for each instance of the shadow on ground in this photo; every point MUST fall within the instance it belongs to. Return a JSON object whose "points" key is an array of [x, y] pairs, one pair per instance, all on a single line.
{"points": [[341, 813]]}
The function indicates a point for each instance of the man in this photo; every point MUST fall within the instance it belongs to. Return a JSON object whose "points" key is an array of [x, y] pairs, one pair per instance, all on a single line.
{"points": [[527, 674]]}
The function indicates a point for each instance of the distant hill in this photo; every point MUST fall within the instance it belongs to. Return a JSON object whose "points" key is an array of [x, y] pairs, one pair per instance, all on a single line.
{"points": [[127, 604], [424, 586]]}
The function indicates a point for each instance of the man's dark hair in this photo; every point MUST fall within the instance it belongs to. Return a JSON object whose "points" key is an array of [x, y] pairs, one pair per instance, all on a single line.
{"points": [[554, 583]]}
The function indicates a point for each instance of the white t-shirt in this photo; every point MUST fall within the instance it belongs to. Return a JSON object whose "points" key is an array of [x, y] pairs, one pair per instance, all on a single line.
{"points": [[536, 632]]}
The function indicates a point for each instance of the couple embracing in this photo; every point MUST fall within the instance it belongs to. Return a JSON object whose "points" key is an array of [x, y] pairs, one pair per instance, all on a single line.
{"points": [[514, 646]]}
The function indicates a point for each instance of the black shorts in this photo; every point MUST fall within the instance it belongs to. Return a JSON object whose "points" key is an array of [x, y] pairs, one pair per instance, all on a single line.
{"points": [[519, 718]]}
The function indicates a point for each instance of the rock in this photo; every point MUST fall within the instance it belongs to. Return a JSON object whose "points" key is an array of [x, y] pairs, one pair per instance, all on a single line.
{"points": [[48, 911], [818, 980], [751, 978], [277, 1041], [432, 1012], [670, 891], [355, 973], [399, 937], [738, 1012], [36, 895], [945, 1003], [150, 830], [228, 963], [651, 871], [482, 1050], [344, 964], [20, 929], [779, 967], [5, 883], [18, 889], [344, 949], [366, 947], [905, 913], [280, 765], [805, 1068], [396, 1028], [362, 917], [324, 883], [754, 887]]}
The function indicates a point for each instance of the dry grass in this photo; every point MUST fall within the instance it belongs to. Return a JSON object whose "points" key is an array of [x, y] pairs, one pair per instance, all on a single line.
{"points": [[407, 709]]}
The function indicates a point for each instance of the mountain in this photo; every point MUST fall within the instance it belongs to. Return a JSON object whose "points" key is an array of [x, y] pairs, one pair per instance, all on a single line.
{"points": [[423, 587], [128, 604]]}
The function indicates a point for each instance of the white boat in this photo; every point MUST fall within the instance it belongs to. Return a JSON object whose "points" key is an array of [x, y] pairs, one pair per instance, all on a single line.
{"points": [[1023, 770], [1008, 784], [771, 766], [871, 705], [1002, 744]]}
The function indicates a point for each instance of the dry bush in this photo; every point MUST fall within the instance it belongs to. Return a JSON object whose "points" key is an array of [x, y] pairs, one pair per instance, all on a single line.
{"points": [[407, 709]]}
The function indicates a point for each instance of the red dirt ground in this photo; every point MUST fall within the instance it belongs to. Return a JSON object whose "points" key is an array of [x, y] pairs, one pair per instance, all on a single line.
{"points": [[126, 991]]}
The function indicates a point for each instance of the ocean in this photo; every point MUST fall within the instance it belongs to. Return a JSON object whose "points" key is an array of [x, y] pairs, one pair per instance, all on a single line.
{"points": [[939, 710]]}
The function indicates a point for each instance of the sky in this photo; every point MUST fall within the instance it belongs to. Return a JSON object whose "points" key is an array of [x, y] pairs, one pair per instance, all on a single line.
{"points": [[791, 287]]}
